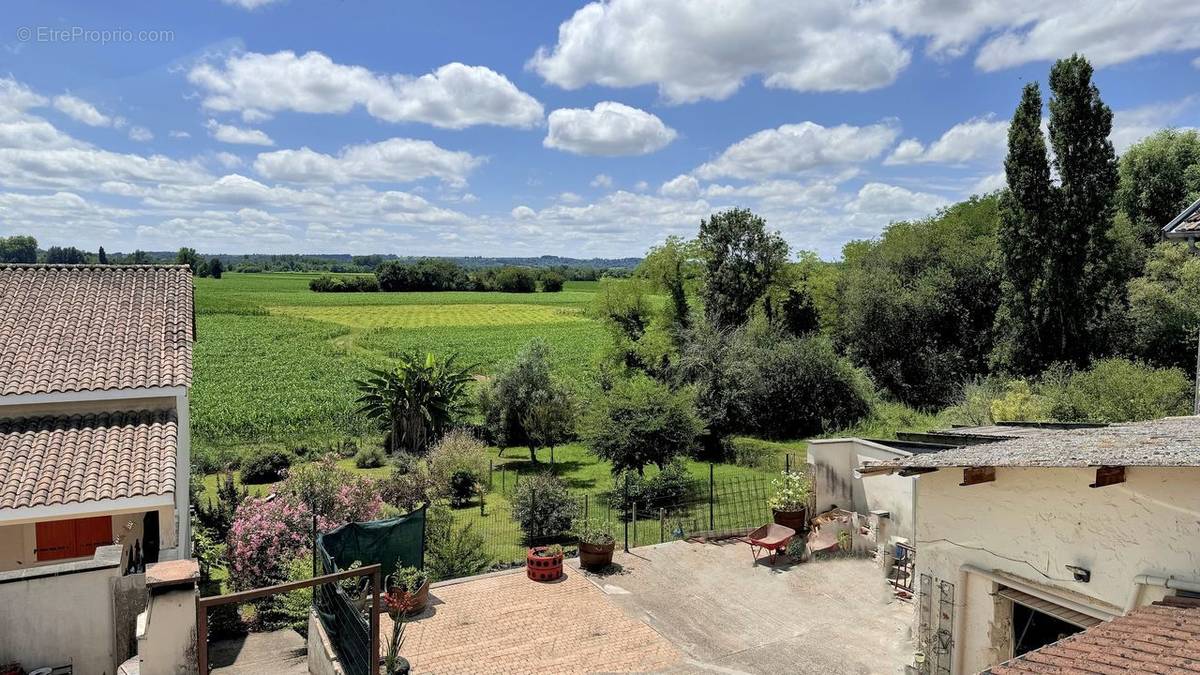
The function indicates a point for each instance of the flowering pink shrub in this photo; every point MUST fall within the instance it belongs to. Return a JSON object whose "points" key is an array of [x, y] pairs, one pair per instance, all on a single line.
{"points": [[264, 538]]}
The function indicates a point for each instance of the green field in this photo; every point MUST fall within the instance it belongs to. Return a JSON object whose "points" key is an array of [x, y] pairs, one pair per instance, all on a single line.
{"points": [[276, 363]]}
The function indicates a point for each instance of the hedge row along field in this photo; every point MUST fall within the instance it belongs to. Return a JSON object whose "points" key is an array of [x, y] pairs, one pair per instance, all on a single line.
{"points": [[276, 363]]}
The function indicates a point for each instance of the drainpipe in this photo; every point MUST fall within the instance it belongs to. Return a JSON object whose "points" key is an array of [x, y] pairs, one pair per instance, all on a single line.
{"points": [[1161, 582]]}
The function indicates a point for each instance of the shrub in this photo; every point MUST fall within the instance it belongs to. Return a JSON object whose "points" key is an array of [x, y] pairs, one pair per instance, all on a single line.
{"points": [[407, 578], [552, 282], [266, 465], [514, 280], [333, 494], [266, 536], [290, 610], [370, 457], [640, 422], [451, 552], [1020, 403], [792, 491], [1117, 390], [457, 463], [595, 532], [427, 274], [668, 488], [347, 284], [409, 487], [542, 507]]}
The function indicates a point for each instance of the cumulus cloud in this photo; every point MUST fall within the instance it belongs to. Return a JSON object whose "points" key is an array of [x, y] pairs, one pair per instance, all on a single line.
{"points": [[393, 160], [1133, 124], [228, 160], [140, 134], [250, 4], [81, 111], [176, 133], [602, 180], [609, 129], [454, 96], [227, 133], [793, 148], [893, 201], [981, 139], [680, 186], [686, 51]]}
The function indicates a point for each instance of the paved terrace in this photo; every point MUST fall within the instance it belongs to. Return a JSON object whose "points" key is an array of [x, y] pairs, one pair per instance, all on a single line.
{"points": [[672, 608]]}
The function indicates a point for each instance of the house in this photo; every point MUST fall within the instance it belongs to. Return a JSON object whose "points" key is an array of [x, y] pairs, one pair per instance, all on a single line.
{"points": [[95, 367], [1025, 541], [1185, 226]]}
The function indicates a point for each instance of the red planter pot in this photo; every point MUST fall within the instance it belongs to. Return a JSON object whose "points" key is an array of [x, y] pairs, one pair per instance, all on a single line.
{"points": [[542, 568], [595, 556]]}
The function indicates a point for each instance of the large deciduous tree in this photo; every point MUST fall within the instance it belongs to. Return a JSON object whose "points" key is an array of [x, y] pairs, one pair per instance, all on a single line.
{"points": [[1159, 177], [18, 249], [526, 405], [641, 422], [741, 260]]}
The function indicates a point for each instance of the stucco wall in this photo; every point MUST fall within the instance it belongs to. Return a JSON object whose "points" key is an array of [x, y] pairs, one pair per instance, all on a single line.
{"points": [[61, 619], [18, 543], [834, 462], [1029, 523]]}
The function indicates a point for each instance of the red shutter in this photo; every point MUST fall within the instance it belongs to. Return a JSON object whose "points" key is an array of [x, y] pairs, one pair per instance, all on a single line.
{"points": [[62, 539]]}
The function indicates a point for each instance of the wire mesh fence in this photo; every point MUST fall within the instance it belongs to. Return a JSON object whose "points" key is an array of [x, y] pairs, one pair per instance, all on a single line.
{"points": [[710, 508]]}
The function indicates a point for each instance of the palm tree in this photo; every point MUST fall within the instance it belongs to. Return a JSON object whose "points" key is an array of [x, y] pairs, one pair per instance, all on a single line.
{"points": [[417, 400]]}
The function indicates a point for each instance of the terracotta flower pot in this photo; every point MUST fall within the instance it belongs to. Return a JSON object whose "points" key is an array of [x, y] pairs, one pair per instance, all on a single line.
{"points": [[541, 567], [420, 599], [797, 520], [596, 556]]}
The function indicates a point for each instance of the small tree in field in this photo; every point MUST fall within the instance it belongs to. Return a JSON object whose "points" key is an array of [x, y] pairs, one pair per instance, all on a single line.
{"points": [[641, 422], [526, 405], [417, 400]]}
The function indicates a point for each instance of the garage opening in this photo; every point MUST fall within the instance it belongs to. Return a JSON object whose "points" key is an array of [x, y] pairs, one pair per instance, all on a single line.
{"points": [[1037, 623]]}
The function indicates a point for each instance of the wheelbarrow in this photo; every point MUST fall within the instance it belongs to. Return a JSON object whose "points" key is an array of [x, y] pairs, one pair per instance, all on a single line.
{"points": [[770, 537]]}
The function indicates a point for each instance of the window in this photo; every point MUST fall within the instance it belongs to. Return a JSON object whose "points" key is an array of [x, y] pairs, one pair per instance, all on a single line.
{"points": [[78, 538]]}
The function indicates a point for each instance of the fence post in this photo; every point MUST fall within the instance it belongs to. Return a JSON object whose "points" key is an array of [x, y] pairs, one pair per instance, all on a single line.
{"points": [[373, 663], [624, 507], [635, 524], [787, 462], [585, 507], [314, 551], [662, 525], [711, 519], [481, 493], [490, 470]]}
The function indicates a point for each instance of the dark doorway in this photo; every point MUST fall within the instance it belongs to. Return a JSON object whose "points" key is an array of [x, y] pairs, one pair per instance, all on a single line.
{"points": [[1033, 629], [150, 538]]}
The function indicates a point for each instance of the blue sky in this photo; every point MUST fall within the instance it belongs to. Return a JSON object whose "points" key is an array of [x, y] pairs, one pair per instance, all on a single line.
{"points": [[579, 129]]}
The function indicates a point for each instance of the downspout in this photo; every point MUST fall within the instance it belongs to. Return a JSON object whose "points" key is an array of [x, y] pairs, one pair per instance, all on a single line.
{"points": [[960, 621], [1161, 582]]}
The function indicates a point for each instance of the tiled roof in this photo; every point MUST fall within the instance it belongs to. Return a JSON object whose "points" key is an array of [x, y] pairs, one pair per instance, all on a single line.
{"points": [[87, 327], [1173, 441], [1153, 639], [79, 458], [1186, 223]]}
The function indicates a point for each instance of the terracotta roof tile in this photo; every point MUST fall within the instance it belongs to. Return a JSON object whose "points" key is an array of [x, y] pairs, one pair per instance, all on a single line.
{"points": [[80, 458], [87, 327], [1158, 638]]}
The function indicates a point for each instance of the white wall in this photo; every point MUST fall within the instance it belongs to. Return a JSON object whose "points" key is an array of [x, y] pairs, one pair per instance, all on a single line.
{"points": [[1031, 522], [57, 620], [834, 462]]}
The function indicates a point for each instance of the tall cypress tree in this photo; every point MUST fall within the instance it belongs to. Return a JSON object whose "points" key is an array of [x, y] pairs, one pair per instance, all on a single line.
{"points": [[1087, 170], [1025, 233]]}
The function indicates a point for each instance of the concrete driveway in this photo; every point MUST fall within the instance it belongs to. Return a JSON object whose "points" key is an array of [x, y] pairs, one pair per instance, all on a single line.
{"points": [[728, 615]]}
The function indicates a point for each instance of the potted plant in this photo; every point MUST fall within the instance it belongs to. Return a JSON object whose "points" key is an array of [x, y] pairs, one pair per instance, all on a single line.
{"points": [[544, 563], [789, 504], [415, 582], [399, 605], [596, 544]]}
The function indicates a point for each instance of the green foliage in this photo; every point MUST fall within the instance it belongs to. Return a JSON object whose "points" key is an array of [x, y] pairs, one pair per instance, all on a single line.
{"points": [[408, 487], [266, 465], [57, 255], [594, 532], [542, 507], [552, 282], [792, 491], [359, 283], [215, 268], [525, 404], [427, 274], [1159, 177], [933, 284], [370, 457], [407, 578], [1164, 308], [187, 256], [640, 422], [102, 257], [667, 489], [457, 464], [18, 249], [417, 400], [1112, 390], [715, 363], [290, 610], [217, 515], [452, 552], [741, 260], [514, 280], [207, 549]]}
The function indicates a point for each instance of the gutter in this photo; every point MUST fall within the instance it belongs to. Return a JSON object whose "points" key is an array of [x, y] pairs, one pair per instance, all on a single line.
{"points": [[1161, 582]]}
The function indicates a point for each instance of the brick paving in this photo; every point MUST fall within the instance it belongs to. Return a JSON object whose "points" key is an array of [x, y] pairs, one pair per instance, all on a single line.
{"points": [[509, 624]]}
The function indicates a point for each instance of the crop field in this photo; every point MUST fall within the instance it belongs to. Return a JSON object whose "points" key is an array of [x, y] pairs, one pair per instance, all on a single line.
{"points": [[276, 363]]}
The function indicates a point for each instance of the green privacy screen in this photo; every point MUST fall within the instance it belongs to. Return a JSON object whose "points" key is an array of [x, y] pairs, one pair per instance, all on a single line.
{"points": [[387, 542]]}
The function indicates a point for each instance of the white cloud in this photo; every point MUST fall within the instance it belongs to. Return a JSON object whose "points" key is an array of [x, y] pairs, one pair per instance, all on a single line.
{"points": [[228, 160], [602, 180], [680, 186], [140, 134], [227, 133], [990, 183], [693, 50], [609, 129], [641, 186], [249, 4], [454, 96], [793, 148], [1133, 124], [981, 139], [523, 213], [897, 203], [254, 116], [568, 198], [81, 111], [393, 160], [16, 98], [175, 133]]}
